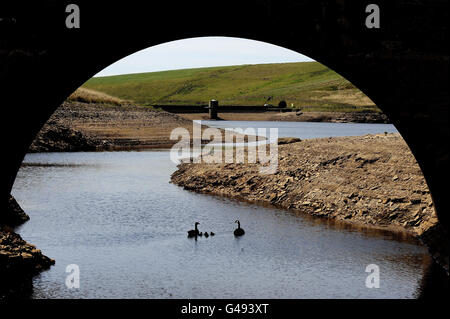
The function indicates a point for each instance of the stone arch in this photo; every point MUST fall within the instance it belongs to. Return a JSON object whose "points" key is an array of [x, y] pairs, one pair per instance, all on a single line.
{"points": [[397, 66]]}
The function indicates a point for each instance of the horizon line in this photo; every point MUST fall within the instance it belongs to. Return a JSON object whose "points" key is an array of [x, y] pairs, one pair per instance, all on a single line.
{"points": [[205, 67]]}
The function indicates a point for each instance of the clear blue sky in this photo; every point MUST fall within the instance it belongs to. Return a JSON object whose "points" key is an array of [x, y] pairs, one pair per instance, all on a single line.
{"points": [[202, 52]]}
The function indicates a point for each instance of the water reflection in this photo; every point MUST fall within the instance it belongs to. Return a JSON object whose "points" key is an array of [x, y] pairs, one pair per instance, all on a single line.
{"points": [[434, 284], [124, 224], [15, 286]]}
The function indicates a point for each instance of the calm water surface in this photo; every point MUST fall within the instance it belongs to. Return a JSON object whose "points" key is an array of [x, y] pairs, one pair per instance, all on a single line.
{"points": [[116, 215], [306, 130]]}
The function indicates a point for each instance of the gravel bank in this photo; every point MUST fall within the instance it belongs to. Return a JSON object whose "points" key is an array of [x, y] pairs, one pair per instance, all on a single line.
{"points": [[370, 180]]}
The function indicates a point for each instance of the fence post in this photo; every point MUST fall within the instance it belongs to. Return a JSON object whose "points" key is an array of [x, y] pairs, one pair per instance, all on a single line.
{"points": [[213, 105]]}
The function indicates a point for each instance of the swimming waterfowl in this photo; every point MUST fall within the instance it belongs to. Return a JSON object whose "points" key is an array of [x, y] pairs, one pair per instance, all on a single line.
{"points": [[211, 233], [206, 234], [239, 231], [194, 232]]}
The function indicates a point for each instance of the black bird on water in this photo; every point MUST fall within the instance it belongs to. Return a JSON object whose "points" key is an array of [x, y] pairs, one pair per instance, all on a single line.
{"points": [[194, 232], [239, 231], [206, 234]]}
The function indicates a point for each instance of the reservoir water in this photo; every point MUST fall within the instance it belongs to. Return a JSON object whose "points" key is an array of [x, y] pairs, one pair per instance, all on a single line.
{"points": [[116, 216], [306, 130]]}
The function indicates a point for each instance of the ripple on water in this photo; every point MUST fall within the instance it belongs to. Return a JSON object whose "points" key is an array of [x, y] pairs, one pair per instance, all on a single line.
{"points": [[117, 216]]}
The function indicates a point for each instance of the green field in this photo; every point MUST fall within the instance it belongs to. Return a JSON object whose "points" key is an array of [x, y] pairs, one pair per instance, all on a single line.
{"points": [[308, 85]]}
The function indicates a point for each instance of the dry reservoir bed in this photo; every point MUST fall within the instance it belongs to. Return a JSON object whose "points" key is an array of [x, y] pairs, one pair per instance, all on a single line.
{"points": [[367, 180]]}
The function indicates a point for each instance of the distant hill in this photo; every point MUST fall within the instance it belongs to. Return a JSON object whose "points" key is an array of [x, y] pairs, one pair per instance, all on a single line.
{"points": [[309, 85]]}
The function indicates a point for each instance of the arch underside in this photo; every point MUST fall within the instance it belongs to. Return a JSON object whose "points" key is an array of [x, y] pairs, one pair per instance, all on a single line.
{"points": [[402, 67]]}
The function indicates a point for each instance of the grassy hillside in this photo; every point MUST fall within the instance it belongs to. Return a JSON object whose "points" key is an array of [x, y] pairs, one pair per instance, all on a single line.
{"points": [[303, 84]]}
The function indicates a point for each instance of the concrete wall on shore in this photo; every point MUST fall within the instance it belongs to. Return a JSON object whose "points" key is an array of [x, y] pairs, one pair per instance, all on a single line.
{"points": [[402, 66], [205, 109], [222, 108]]}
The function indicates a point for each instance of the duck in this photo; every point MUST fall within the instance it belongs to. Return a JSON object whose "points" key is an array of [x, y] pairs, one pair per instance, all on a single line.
{"points": [[206, 234], [211, 233], [194, 232], [239, 231]]}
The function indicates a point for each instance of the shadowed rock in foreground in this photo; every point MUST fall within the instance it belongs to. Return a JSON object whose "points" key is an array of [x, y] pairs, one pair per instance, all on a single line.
{"points": [[14, 215], [19, 260]]}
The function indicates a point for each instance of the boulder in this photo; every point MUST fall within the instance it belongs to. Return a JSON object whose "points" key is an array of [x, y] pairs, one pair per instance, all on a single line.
{"points": [[14, 214]]}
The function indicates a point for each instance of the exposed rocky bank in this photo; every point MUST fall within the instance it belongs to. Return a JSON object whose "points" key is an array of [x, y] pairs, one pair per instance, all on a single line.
{"points": [[82, 127], [370, 180], [14, 215], [78, 126], [19, 260]]}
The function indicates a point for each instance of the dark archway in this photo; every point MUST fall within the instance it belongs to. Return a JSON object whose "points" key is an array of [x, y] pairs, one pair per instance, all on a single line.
{"points": [[402, 67]]}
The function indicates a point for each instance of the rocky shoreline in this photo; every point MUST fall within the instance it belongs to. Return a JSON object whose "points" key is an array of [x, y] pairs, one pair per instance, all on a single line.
{"points": [[78, 126], [372, 181], [19, 260], [14, 215], [55, 137], [344, 117], [84, 127]]}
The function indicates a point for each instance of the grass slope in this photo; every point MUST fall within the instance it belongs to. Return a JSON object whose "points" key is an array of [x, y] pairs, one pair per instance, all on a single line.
{"points": [[310, 85]]}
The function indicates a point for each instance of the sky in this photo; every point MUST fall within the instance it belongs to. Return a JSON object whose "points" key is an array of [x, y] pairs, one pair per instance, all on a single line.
{"points": [[202, 52]]}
